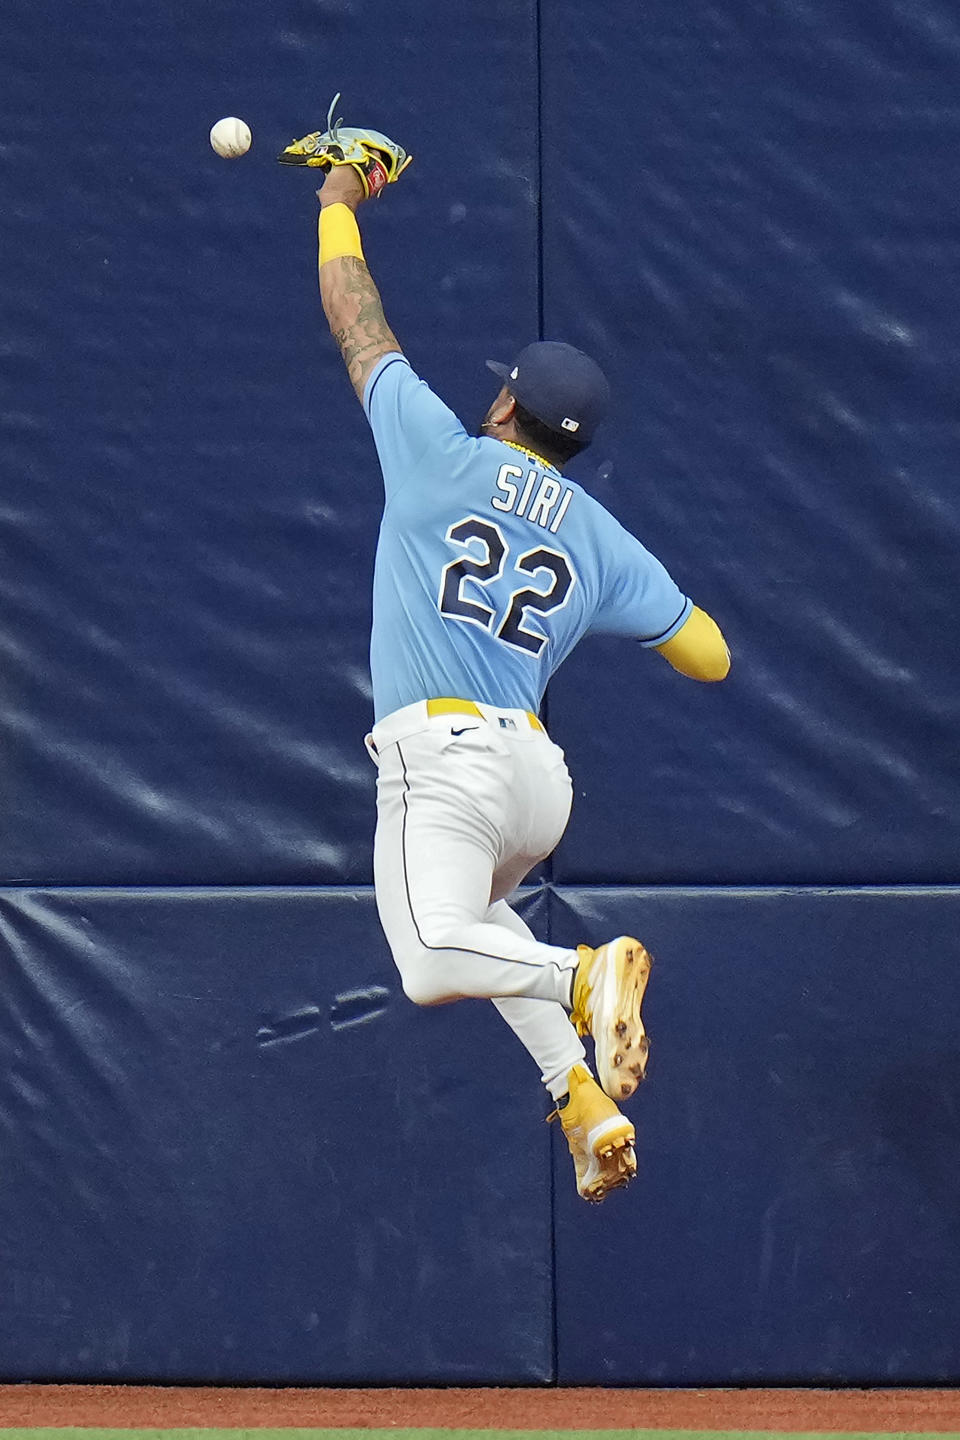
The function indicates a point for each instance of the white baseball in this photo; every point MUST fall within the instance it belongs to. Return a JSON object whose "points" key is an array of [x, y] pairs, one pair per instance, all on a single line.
{"points": [[230, 137]]}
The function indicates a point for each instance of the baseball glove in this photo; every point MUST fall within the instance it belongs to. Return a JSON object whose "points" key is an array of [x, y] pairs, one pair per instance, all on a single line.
{"points": [[378, 160]]}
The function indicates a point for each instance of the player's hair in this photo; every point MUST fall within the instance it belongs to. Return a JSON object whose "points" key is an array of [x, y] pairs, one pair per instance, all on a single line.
{"points": [[554, 445]]}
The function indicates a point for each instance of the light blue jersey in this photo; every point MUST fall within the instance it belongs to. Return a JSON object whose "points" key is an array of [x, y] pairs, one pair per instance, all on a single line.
{"points": [[491, 565]]}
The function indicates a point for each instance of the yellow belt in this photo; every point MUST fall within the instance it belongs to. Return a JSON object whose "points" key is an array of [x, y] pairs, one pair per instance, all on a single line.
{"points": [[448, 706]]}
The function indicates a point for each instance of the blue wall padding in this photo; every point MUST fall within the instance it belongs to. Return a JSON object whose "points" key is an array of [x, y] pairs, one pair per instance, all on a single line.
{"points": [[191, 493], [747, 216], [231, 1150], [234, 1151], [795, 1217]]}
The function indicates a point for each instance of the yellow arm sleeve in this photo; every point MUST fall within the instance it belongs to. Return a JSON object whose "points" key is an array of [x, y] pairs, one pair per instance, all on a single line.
{"points": [[698, 649], [338, 233]]}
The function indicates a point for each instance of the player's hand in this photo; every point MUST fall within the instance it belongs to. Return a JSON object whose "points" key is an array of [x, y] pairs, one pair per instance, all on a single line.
{"points": [[342, 186]]}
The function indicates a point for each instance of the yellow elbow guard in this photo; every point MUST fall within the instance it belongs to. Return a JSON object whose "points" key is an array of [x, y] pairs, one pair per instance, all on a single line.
{"points": [[698, 649], [338, 233]]}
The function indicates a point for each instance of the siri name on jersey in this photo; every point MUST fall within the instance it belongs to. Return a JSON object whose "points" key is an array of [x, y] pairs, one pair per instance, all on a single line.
{"points": [[539, 498]]}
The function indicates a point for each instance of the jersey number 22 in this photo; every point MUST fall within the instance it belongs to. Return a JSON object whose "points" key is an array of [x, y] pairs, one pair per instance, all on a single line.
{"points": [[483, 569]]}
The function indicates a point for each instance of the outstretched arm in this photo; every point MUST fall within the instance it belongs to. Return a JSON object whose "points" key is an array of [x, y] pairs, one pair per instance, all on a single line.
{"points": [[351, 301]]}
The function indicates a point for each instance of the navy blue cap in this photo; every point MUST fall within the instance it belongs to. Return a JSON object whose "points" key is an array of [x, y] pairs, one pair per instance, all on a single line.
{"points": [[561, 386]]}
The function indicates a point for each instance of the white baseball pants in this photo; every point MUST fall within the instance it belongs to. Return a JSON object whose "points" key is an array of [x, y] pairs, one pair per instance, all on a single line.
{"points": [[466, 806]]}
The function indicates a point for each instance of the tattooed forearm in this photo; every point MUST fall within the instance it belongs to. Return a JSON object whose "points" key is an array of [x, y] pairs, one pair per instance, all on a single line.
{"points": [[352, 306]]}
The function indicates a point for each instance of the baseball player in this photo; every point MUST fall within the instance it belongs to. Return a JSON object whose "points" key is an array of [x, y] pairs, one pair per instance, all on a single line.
{"points": [[491, 565]]}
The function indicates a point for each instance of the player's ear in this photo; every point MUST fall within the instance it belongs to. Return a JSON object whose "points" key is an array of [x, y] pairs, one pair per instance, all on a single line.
{"points": [[503, 408]]}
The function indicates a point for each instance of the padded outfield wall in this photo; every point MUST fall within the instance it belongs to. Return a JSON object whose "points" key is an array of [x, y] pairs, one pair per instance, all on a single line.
{"points": [[232, 1151]]}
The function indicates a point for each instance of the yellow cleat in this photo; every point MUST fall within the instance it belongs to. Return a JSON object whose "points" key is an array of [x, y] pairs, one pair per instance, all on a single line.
{"points": [[600, 1138], [608, 991]]}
